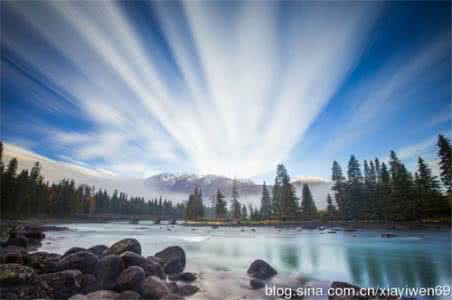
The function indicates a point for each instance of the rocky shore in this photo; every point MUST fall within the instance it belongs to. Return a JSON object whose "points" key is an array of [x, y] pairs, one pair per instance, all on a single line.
{"points": [[117, 272]]}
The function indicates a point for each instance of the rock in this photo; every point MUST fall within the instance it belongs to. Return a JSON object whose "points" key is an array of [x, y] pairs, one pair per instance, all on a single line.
{"points": [[43, 262], [187, 290], [78, 297], [63, 284], [256, 284], [124, 245], [185, 276], [34, 233], [261, 270], [21, 282], [388, 235], [130, 279], [84, 261], [89, 284], [174, 259], [73, 250], [150, 267], [129, 295], [156, 259], [13, 255], [108, 269], [153, 288], [103, 294], [18, 241], [98, 250]]}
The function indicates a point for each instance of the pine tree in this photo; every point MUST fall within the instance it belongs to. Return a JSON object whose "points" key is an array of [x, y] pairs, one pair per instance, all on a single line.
{"points": [[339, 188], [235, 204], [220, 205], [354, 193], [308, 207], [428, 194], [384, 188], [266, 205], [286, 197], [244, 212], [330, 209], [445, 155], [402, 200]]}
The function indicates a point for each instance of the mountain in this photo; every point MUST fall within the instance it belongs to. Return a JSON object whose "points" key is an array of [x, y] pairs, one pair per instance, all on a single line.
{"points": [[178, 187]]}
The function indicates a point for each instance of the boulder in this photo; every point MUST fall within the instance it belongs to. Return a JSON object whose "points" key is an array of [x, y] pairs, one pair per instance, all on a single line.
{"points": [[84, 261], [21, 282], [43, 262], [261, 270], [98, 250], [150, 267], [73, 250], [89, 284], [185, 276], [108, 269], [103, 295], [256, 284], [156, 259], [129, 295], [173, 258], [130, 279], [33, 233], [13, 255], [153, 288], [18, 241], [122, 246], [63, 284]]}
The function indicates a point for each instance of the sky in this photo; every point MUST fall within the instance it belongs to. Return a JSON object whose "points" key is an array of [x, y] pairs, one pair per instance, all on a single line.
{"points": [[132, 89]]}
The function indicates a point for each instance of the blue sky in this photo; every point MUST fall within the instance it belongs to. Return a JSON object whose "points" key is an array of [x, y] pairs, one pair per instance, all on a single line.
{"points": [[229, 88]]}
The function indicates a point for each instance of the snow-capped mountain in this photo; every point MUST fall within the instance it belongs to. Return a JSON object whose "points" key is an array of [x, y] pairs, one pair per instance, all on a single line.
{"points": [[179, 186]]}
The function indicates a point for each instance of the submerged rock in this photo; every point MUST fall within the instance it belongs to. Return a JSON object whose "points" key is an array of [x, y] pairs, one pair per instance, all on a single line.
{"points": [[388, 235], [63, 284], [108, 269], [124, 245], [256, 284], [185, 276], [173, 258], [130, 279], [21, 282], [153, 288], [187, 290], [261, 270], [84, 261]]}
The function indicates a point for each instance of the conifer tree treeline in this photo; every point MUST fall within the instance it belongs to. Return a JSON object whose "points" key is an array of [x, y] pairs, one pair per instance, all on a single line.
{"points": [[27, 194]]}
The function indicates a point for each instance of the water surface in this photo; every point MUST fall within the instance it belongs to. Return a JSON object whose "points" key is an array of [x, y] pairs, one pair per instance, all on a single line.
{"points": [[414, 258]]}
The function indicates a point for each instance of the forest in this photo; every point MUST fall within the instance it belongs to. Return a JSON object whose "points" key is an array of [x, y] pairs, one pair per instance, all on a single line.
{"points": [[379, 191], [383, 191], [27, 194]]}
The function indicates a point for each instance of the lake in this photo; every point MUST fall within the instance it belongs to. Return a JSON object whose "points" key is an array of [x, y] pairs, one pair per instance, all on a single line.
{"points": [[413, 258]]}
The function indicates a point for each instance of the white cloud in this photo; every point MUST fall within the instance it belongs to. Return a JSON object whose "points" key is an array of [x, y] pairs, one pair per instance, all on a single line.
{"points": [[249, 91]]}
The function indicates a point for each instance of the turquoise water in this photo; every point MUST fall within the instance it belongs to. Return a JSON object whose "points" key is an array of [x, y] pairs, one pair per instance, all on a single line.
{"points": [[416, 259]]}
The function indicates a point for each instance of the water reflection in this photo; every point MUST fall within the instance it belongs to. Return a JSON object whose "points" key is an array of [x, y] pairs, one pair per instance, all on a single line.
{"points": [[363, 258]]}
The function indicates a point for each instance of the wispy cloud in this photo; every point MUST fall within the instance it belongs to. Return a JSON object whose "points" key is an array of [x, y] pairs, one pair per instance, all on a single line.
{"points": [[372, 99], [251, 82]]}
